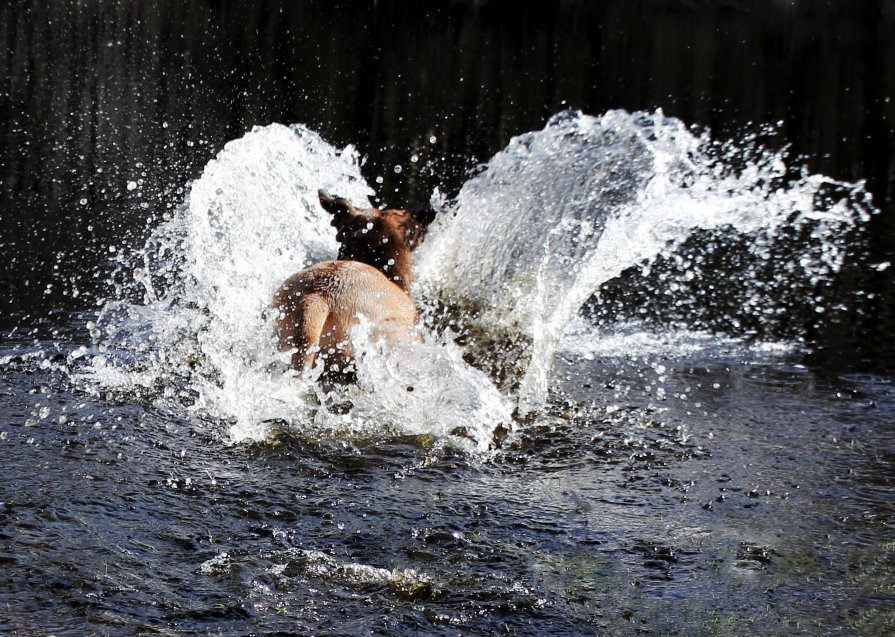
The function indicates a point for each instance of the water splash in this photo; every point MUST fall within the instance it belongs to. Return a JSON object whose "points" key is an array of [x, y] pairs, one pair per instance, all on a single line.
{"points": [[561, 211], [201, 340], [542, 229]]}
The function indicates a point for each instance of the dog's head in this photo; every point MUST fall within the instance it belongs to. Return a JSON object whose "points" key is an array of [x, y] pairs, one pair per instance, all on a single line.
{"points": [[381, 238]]}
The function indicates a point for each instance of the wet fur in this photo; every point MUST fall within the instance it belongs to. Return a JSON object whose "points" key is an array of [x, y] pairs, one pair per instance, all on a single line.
{"points": [[318, 306]]}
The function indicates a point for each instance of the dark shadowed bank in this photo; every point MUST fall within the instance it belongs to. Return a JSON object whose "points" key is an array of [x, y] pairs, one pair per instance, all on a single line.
{"points": [[109, 109]]}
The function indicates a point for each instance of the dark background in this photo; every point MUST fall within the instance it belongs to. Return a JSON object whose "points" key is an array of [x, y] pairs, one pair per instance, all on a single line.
{"points": [[95, 94]]}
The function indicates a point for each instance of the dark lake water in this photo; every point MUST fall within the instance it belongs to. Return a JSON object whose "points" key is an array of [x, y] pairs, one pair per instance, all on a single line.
{"points": [[683, 422]]}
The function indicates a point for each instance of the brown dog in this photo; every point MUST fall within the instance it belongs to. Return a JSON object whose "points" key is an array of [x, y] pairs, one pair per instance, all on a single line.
{"points": [[318, 306]]}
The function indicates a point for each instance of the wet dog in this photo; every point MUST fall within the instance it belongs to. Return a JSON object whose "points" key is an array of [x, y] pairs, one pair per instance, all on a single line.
{"points": [[318, 306]]}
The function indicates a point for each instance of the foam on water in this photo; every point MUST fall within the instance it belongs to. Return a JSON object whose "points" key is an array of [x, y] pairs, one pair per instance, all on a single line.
{"points": [[636, 341], [527, 241]]}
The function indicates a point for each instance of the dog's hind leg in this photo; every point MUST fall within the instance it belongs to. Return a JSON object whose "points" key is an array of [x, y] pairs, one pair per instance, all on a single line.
{"points": [[300, 330]]}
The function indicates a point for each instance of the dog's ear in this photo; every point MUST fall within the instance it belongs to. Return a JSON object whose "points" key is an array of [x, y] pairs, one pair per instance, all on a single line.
{"points": [[335, 205], [424, 216]]}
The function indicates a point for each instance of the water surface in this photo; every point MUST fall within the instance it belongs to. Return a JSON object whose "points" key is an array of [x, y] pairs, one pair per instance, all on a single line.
{"points": [[656, 394]]}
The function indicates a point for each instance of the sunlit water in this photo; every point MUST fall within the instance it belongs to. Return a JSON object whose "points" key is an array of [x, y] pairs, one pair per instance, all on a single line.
{"points": [[561, 211], [526, 243], [525, 469], [207, 277]]}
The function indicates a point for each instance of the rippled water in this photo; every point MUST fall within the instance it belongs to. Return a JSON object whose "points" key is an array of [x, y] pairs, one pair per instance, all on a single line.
{"points": [[554, 470], [712, 490]]}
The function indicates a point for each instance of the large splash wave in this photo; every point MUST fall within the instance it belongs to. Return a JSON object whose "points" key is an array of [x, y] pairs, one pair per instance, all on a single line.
{"points": [[549, 220], [201, 339], [561, 211]]}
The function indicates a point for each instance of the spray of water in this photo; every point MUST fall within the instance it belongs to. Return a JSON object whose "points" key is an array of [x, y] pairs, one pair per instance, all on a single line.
{"points": [[203, 337], [549, 220], [561, 211]]}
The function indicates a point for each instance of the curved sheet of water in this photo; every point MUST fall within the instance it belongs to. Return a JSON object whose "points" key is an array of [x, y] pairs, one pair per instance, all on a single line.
{"points": [[563, 210], [202, 337]]}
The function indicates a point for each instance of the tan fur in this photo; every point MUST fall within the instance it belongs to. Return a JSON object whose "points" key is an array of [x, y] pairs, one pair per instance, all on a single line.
{"points": [[318, 306]]}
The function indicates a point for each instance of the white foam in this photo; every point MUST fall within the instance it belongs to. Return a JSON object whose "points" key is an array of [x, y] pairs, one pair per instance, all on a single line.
{"points": [[201, 338], [633, 341]]}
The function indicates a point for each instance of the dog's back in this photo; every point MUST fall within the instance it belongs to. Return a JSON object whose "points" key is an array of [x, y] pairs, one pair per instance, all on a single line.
{"points": [[318, 306]]}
